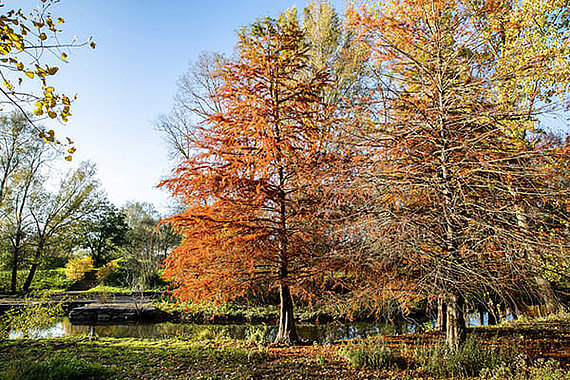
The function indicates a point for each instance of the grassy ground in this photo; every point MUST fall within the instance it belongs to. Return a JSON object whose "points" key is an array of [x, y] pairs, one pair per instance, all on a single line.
{"points": [[537, 350], [48, 279]]}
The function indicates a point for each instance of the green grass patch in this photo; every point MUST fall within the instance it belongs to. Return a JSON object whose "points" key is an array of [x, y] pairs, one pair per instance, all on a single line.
{"points": [[56, 368], [108, 289], [46, 279], [374, 356], [136, 358], [471, 359]]}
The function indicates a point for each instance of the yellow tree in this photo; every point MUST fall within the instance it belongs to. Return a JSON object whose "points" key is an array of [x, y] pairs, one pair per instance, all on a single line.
{"points": [[252, 185]]}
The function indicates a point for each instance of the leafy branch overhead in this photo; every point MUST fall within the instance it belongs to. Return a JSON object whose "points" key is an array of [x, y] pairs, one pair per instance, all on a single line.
{"points": [[29, 43]]}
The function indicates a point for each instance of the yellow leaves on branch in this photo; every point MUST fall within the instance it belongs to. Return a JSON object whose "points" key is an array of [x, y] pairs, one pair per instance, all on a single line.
{"points": [[25, 38]]}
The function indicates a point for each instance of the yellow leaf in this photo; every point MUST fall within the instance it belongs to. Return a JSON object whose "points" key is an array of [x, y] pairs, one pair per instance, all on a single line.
{"points": [[71, 150], [52, 70], [30, 74], [52, 114], [43, 37], [60, 20], [19, 65], [68, 158], [63, 56], [93, 45]]}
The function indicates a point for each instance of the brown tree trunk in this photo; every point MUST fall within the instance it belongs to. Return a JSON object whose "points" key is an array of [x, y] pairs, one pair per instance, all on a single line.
{"points": [[287, 332], [456, 332], [441, 322], [493, 315], [551, 304], [16, 246], [30, 277], [481, 311], [14, 280]]}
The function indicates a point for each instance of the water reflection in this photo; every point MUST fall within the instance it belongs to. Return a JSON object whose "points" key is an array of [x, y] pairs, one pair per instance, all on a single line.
{"points": [[322, 333], [317, 333]]}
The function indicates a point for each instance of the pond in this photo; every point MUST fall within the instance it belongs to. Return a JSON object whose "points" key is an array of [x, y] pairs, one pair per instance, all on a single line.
{"points": [[319, 333]]}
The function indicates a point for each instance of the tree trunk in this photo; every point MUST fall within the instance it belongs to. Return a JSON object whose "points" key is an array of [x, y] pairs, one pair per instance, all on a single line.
{"points": [[481, 311], [14, 280], [287, 332], [30, 277], [441, 322], [493, 315], [551, 304], [456, 332]]}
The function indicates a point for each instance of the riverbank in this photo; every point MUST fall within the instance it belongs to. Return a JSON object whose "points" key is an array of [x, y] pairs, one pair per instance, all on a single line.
{"points": [[540, 348]]}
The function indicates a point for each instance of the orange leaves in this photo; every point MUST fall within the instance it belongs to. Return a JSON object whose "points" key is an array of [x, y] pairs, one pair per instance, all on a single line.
{"points": [[248, 184]]}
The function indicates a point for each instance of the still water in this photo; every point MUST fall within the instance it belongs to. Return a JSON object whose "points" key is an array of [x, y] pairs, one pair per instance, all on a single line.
{"points": [[321, 333], [318, 333]]}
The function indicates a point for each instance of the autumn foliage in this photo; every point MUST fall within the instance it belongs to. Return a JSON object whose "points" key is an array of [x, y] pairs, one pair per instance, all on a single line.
{"points": [[433, 179], [252, 186], [462, 174]]}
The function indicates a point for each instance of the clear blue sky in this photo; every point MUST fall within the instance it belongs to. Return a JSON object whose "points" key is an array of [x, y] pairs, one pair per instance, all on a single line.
{"points": [[129, 80]]}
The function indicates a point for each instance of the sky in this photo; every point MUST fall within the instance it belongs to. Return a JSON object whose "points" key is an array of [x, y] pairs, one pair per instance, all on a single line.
{"points": [[129, 80]]}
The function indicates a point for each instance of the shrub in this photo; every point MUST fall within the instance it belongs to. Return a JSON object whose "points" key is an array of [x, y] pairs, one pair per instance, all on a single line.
{"points": [[63, 368], [374, 356], [107, 270], [76, 268], [471, 359], [38, 312], [51, 279], [548, 370]]}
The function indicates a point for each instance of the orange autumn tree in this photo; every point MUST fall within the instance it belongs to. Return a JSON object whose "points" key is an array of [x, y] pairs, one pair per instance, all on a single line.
{"points": [[465, 196], [252, 185]]}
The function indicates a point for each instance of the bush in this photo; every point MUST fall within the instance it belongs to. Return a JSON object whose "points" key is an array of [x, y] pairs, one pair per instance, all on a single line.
{"points": [[374, 356], [51, 279], [107, 270], [76, 268], [548, 370], [54, 262], [62, 368], [38, 312], [471, 359]]}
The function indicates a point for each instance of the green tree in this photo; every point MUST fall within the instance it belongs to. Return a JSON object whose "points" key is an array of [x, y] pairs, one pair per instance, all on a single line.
{"points": [[56, 214], [104, 232], [22, 161], [148, 244]]}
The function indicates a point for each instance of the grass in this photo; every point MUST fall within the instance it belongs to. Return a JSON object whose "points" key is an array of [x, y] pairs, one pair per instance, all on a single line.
{"points": [[82, 357], [133, 358], [48, 279], [56, 368], [470, 360], [108, 290], [374, 356]]}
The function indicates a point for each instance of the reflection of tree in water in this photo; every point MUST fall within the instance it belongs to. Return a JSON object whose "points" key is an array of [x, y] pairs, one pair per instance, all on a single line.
{"points": [[315, 333]]}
